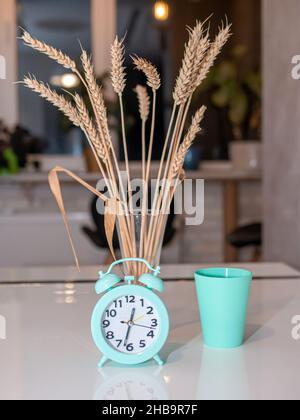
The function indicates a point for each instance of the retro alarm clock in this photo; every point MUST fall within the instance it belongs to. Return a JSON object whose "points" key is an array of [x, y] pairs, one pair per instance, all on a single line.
{"points": [[130, 323]]}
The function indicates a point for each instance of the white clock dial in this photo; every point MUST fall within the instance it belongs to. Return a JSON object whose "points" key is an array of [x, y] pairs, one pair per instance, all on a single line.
{"points": [[130, 324]]}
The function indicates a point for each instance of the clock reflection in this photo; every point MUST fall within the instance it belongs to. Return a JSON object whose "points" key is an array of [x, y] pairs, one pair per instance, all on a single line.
{"points": [[138, 384]]}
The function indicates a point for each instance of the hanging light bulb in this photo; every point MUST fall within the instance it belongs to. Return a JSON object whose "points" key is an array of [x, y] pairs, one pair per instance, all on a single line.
{"points": [[161, 10]]}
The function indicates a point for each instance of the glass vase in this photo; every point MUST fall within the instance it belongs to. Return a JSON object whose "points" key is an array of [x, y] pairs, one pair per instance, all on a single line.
{"points": [[131, 247]]}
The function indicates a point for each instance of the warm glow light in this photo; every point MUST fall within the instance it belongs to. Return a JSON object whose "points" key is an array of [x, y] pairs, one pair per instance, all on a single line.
{"points": [[161, 10], [67, 81]]}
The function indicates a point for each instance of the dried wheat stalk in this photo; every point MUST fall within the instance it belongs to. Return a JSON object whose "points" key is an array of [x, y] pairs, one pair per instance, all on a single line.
{"points": [[89, 127], [52, 96], [153, 81], [213, 52], [118, 75], [144, 109], [97, 100], [51, 52], [71, 112], [183, 99], [193, 55], [195, 50], [97, 95], [144, 102], [153, 77], [118, 79], [187, 142]]}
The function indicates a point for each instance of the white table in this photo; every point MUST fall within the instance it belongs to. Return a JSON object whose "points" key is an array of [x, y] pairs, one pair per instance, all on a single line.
{"points": [[49, 354]]}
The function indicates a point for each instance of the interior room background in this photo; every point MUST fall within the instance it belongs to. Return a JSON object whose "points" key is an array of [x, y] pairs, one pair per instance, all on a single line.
{"points": [[27, 208]]}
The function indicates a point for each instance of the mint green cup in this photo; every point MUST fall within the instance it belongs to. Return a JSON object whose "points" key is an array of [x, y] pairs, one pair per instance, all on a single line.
{"points": [[223, 296]]}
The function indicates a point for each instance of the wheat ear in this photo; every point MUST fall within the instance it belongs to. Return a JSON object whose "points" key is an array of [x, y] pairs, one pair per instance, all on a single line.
{"points": [[150, 71], [213, 52], [144, 102], [69, 110], [188, 141], [59, 101], [89, 127], [51, 52], [97, 96], [194, 51], [118, 75], [118, 78]]}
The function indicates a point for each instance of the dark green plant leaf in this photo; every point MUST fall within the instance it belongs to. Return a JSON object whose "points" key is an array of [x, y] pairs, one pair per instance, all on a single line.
{"points": [[239, 51], [253, 81], [225, 71], [238, 108]]}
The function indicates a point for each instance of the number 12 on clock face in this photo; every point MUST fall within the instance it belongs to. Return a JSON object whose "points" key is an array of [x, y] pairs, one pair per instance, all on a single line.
{"points": [[130, 324]]}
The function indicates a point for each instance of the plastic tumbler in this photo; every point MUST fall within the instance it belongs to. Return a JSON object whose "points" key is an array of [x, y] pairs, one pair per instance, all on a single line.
{"points": [[223, 295]]}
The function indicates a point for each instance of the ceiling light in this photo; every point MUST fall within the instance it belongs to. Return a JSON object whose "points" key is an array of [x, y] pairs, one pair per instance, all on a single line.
{"points": [[161, 10]]}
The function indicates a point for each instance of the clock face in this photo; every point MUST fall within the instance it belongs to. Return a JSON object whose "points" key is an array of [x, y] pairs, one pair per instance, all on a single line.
{"points": [[130, 324]]}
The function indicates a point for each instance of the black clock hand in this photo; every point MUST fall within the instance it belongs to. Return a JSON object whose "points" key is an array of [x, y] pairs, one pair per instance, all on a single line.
{"points": [[130, 323]]}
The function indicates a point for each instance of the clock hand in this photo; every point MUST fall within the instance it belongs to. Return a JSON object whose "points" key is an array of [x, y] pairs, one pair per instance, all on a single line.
{"points": [[132, 314], [144, 326], [130, 323], [138, 325]]}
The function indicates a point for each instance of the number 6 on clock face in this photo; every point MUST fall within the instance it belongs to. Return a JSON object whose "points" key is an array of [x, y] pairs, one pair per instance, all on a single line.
{"points": [[130, 325]]}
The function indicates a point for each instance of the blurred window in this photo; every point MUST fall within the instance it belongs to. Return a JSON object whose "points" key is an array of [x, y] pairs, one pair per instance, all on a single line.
{"points": [[60, 23]]}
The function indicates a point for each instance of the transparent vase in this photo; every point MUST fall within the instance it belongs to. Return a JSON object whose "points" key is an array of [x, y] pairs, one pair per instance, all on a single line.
{"points": [[138, 244]]}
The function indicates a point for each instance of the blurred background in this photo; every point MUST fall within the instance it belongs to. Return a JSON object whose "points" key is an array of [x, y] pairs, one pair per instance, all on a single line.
{"points": [[34, 136]]}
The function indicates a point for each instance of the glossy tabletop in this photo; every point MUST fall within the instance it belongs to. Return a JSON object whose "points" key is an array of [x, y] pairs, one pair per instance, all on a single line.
{"points": [[168, 272], [48, 352]]}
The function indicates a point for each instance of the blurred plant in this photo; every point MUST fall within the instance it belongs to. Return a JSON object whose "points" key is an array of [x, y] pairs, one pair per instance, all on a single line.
{"points": [[238, 91], [24, 143], [8, 159], [15, 146]]}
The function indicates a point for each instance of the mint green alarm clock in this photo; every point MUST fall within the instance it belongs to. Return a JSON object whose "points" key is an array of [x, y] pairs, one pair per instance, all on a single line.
{"points": [[130, 323]]}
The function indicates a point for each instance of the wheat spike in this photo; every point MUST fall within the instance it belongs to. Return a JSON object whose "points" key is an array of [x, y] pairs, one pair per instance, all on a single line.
{"points": [[118, 75], [89, 127], [153, 77], [97, 96], [144, 102], [213, 52], [51, 52], [188, 141], [52, 96], [193, 55]]}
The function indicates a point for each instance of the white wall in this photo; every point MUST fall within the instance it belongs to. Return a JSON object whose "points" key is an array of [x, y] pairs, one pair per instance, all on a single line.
{"points": [[104, 23], [281, 41], [8, 49]]}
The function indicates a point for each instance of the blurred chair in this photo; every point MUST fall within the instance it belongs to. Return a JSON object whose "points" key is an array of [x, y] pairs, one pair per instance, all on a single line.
{"points": [[249, 235], [98, 237]]}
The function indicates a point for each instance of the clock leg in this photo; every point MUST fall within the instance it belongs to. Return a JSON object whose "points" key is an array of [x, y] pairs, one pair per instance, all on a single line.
{"points": [[102, 361], [158, 360]]}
